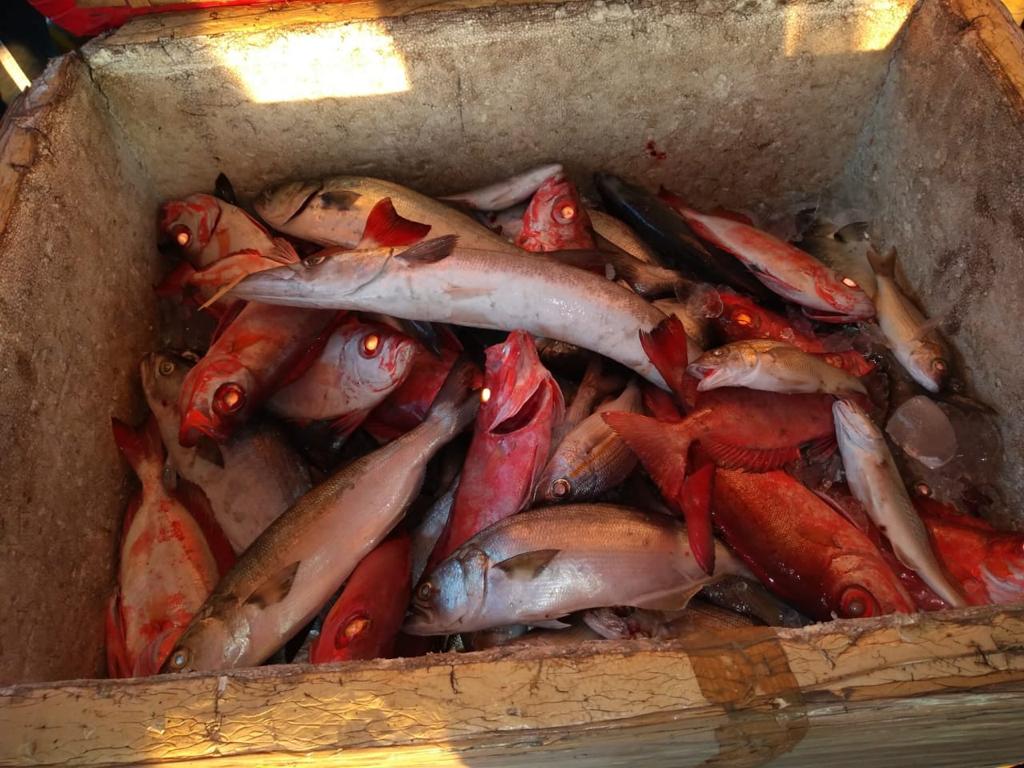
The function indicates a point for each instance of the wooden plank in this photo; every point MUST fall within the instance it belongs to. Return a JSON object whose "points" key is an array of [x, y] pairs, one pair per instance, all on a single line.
{"points": [[773, 689]]}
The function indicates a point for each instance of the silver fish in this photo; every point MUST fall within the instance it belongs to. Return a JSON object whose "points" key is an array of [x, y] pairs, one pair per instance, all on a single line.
{"points": [[291, 570], [545, 563], [913, 340], [337, 211], [876, 483], [424, 538], [507, 192], [770, 366], [592, 458], [249, 480], [440, 281]]}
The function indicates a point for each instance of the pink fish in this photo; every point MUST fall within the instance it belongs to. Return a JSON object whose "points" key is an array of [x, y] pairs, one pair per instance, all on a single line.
{"points": [[251, 358], [556, 220], [167, 566], [360, 365], [786, 270], [521, 406], [206, 229]]}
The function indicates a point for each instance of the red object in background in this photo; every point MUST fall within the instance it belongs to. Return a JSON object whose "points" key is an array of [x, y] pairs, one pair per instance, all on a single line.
{"points": [[92, 20]]}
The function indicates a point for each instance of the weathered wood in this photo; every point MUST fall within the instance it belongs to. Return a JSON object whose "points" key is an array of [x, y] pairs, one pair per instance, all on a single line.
{"points": [[755, 696]]}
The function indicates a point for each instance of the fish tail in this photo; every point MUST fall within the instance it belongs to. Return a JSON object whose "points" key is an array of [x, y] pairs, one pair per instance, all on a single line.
{"points": [[661, 448], [884, 265], [141, 447], [457, 401], [696, 509], [666, 347]]}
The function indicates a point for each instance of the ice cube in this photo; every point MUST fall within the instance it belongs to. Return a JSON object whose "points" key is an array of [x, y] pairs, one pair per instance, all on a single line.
{"points": [[924, 432]]}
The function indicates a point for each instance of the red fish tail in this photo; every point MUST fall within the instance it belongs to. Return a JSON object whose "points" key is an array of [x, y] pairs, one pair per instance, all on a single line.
{"points": [[194, 500], [659, 403], [141, 447], [696, 507], [662, 449], [665, 347]]}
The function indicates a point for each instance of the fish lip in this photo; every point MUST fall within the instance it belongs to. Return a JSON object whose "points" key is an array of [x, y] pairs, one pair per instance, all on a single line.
{"points": [[707, 374]]}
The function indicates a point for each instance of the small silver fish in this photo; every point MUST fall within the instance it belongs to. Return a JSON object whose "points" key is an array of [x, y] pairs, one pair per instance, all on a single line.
{"points": [[770, 366], [546, 563], [876, 483], [507, 192]]}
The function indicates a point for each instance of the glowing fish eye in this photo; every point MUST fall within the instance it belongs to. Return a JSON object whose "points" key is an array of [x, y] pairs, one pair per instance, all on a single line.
{"points": [[743, 318], [561, 487], [940, 365], [166, 368], [485, 394], [849, 282], [179, 658], [564, 211], [181, 235], [312, 261], [370, 346], [425, 591], [229, 398], [855, 608], [923, 489]]}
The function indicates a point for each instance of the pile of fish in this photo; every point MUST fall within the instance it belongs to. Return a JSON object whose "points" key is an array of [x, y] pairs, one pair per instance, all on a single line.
{"points": [[396, 424]]}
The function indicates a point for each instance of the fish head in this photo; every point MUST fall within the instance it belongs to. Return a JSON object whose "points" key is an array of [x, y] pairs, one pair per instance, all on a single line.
{"points": [[452, 596], [163, 374], [278, 205], [855, 428], [209, 643], [556, 482], [555, 219], [377, 357], [929, 363], [217, 395], [725, 366], [843, 294], [868, 588], [331, 272], [518, 390], [188, 224]]}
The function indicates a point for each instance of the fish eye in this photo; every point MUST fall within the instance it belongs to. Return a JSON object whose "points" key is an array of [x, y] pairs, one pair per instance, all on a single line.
{"points": [[179, 659], [485, 394], [923, 489], [166, 368], [561, 487], [228, 399], [370, 345], [939, 365], [312, 261], [564, 211], [425, 591], [743, 318], [856, 602], [850, 282], [181, 235]]}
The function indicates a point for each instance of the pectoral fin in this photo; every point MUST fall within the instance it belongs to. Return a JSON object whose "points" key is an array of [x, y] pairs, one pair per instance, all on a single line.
{"points": [[674, 599], [276, 588], [528, 565]]}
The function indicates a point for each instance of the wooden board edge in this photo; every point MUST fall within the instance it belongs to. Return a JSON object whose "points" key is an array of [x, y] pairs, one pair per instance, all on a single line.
{"points": [[999, 41]]}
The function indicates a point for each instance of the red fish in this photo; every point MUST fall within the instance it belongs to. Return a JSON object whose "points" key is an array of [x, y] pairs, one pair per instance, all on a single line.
{"points": [[361, 363], [167, 567], [987, 563], [206, 229], [784, 269], [406, 407], [802, 549], [244, 365], [742, 319], [365, 620], [556, 220], [521, 406]]}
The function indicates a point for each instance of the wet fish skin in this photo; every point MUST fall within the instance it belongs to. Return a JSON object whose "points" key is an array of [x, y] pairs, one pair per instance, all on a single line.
{"points": [[771, 366], [360, 365], [441, 281], [335, 211], [250, 480], [424, 537], [917, 347], [291, 570], [876, 483], [592, 458], [618, 234], [803, 550], [507, 192], [545, 563]]}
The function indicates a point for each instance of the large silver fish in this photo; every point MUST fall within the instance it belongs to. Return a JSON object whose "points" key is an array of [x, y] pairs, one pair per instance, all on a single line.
{"points": [[592, 458], [290, 571], [249, 480], [874, 479], [912, 338], [545, 563], [363, 212], [507, 192], [440, 281], [770, 366]]}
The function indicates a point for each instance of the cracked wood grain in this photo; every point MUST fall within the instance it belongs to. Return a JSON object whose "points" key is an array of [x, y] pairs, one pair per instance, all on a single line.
{"points": [[762, 693]]}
